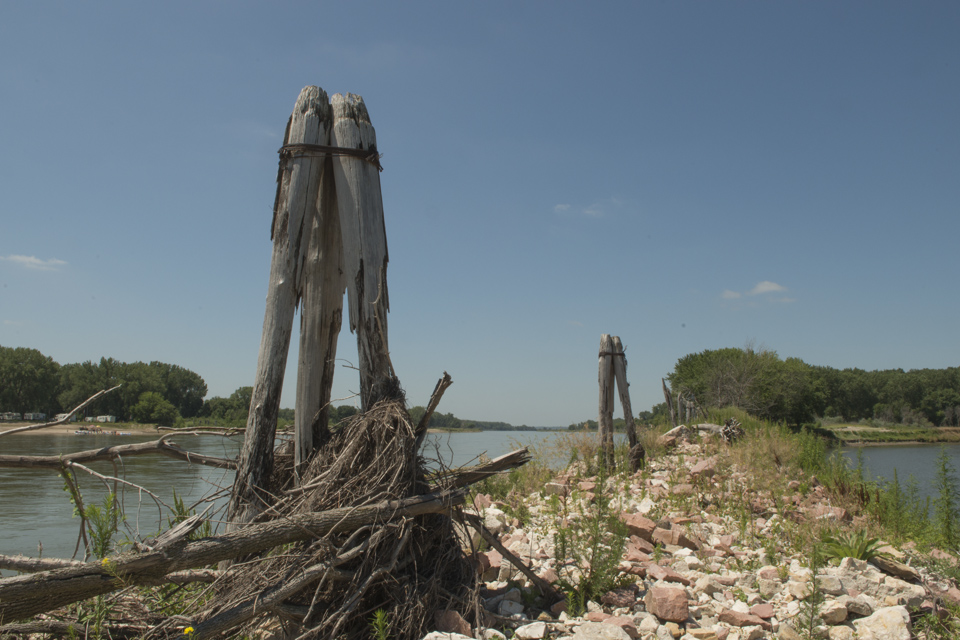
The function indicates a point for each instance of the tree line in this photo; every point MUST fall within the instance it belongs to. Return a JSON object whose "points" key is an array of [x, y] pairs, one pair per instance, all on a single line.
{"points": [[154, 392], [794, 392]]}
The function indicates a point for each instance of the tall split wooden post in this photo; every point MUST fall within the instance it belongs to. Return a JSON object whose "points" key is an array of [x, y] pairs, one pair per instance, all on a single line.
{"points": [[613, 369], [328, 236], [669, 400], [297, 192]]}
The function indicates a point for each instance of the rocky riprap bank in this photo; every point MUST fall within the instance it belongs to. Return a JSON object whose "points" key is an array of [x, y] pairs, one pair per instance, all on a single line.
{"points": [[692, 573]]}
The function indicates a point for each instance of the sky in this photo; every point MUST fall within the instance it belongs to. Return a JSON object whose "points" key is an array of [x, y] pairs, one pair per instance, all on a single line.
{"points": [[684, 175]]}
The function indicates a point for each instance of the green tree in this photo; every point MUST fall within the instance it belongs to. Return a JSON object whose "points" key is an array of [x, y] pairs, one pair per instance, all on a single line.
{"points": [[28, 381], [183, 388], [154, 408]]}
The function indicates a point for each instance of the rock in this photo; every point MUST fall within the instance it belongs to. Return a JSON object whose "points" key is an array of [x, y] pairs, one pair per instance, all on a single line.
{"points": [[492, 634], [702, 634], [738, 619], [453, 622], [768, 588], [842, 633], [833, 612], [648, 625], [800, 590], [763, 611], [597, 616], [656, 572], [707, 585], [509, 608], [639, 526], [835, 514], [673, 537], [558, 608], [830, 584], [667, 603], [859, 606], [889, 623], [440, 635], [599, 631], [705, 468], [788, 633], [768, 573], [556, 489], [673, 628], [532, 631], [895, 568], [625, 623], [619, 598]]}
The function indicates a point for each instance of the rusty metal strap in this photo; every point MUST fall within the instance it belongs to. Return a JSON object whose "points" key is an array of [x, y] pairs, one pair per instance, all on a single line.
{"points": [[315, 150]]}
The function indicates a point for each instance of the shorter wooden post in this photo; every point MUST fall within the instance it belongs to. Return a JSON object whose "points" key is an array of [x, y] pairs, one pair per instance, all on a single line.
{"points": [[669, 400], [623, 387], [605, 419]]}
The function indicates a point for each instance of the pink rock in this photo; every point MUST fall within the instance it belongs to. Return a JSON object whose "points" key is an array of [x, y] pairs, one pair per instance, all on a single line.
{"points": [[737, 619], [625, 623], [641, 544], [705, 468], [639, 526], [558, 608], [768, 573], [587, 486], [493, 558], [550, 575], [667, 603], [675, 537], [633, 554], [666, 574], [597, 616], [762, 610]]}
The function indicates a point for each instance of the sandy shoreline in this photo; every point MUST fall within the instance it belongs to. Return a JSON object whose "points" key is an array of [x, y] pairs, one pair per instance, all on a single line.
{"points": [[62, 429]]}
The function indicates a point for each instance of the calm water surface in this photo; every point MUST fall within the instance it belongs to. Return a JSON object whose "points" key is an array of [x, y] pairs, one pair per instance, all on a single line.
{"points": [[35, 509], [917, 460]]}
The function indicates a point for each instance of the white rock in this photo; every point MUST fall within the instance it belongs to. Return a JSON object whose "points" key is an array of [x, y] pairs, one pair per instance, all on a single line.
{"points": [[532, 631], [889, 623], [600, 631], [439, 635]]}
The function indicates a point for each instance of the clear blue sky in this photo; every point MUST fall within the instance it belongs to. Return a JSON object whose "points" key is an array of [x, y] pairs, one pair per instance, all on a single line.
{"points": [[685, 175]]}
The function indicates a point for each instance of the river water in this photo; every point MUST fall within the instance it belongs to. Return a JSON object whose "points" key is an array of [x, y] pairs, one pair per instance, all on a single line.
{"points": [[35, 510]]}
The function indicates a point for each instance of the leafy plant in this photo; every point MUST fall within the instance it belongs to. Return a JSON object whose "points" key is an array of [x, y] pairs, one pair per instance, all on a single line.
{"points": [[852, 545]]}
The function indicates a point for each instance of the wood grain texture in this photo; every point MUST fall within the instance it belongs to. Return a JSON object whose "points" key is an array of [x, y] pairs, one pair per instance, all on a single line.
{"points": [[605, 419], [365, 254], [299, 183]]}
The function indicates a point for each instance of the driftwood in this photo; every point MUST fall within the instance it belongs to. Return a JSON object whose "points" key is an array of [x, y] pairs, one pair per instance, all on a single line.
{"points": [[469, 475], [63, 420], [25, 596], [545, 587], [161, 446], [442, 384]]}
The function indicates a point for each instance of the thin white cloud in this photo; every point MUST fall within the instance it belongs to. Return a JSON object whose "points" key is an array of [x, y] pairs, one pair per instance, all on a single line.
{"points": [[730, 295], [594, 211], [561, 208], [576, 323], [33, 262], [766, 287]]}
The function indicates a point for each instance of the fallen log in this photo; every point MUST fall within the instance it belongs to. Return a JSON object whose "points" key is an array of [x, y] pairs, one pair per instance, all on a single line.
{"points": [[160, 446], [26, 596]]}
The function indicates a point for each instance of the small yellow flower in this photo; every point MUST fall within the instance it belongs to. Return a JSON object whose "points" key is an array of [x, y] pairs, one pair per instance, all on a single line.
{"points": [[188, 631], [105, 562]]}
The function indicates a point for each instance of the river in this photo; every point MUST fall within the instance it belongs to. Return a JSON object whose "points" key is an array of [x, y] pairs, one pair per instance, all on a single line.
{"points": [[35, 509]]}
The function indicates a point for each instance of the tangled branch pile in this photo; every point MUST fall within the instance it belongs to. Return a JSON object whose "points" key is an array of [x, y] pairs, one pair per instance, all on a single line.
{"points": [[329, 587]]}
